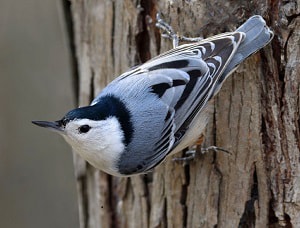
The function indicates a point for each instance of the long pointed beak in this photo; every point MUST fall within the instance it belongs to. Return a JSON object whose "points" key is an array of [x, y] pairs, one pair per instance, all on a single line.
{"points": [[55, 126]]}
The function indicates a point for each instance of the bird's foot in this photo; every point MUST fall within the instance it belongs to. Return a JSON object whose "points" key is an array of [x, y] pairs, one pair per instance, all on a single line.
{"points": [[188, 156], [169, 33], [191, 154], [215, 149]]}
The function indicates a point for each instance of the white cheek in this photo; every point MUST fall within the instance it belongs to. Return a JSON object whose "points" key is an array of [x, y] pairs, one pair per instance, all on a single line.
{"points": [[101, 146]]}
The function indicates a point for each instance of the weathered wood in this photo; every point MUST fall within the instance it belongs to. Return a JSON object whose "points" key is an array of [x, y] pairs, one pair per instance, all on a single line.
{"points": [[256, 118]]}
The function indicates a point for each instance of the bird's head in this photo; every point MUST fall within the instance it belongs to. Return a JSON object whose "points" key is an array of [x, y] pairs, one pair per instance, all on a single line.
{"points": [[93, 133]]}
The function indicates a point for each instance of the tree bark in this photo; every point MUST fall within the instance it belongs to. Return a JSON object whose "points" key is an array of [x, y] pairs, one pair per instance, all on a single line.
{"points": [[256, 118]]}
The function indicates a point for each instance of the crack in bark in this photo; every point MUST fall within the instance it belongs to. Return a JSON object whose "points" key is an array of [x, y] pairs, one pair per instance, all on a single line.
{"points": [[218, 172], [71, 41], [111, 202], [82, 180], [248, 217], [147, 178], [291, 18], [287, 219], [142, 38], [273, 220], [113, 31], [164, 221], [271, 123], [92, 86], [184, 194]]}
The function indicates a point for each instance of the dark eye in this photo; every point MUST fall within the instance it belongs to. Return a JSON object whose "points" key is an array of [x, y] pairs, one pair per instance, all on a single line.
{"points": [[84, 128]]}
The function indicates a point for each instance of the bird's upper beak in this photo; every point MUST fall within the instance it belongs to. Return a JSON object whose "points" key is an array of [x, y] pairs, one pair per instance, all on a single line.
{"points": [[55, 126]]}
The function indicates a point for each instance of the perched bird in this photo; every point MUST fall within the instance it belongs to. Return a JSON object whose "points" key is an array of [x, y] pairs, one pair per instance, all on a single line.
{"points": [[159, 107]]}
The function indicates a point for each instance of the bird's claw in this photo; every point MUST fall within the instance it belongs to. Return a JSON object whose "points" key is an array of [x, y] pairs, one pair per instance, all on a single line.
{"points": [[215, 149], [169, 33], [167, 29], [191, 154]]}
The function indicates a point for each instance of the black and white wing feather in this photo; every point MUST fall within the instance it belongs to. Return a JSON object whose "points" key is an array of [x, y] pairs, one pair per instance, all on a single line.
{"points": [[179, 82], [203, 62]]}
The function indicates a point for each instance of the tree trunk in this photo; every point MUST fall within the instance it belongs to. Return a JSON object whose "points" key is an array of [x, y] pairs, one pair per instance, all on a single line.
{"points": [[256, 118]]}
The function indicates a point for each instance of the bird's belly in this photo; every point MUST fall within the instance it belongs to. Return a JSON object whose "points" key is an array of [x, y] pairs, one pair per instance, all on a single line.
{"points": [[196, 129]]}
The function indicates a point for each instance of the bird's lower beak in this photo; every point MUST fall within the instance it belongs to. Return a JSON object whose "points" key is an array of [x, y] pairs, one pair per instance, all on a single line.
{"points": [[55, 126]]}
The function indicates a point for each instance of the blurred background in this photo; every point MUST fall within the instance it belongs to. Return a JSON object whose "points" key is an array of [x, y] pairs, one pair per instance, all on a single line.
{"points": [[37, 183]]}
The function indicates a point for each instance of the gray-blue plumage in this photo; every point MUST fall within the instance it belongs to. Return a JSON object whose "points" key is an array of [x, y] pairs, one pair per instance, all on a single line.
{"points": [[200, 68]]}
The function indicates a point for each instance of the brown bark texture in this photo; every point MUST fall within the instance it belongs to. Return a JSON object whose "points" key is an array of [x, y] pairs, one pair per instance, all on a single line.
{"points": [[256, 118]]}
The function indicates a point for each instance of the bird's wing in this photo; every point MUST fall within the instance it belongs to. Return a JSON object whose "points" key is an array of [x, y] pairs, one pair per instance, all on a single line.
{"points": [[154, 117], [169, 90], [204, 62], [182, 79]]}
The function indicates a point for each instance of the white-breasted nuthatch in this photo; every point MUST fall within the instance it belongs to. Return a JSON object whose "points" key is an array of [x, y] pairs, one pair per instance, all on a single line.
{"points": [[159, 107]]}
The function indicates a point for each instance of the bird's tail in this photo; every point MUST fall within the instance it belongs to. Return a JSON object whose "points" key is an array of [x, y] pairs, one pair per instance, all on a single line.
{"points": [[257, 36]]}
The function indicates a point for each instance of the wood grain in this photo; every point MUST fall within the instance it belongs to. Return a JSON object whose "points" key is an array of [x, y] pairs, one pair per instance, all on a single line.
{"points": [[256, 118]]}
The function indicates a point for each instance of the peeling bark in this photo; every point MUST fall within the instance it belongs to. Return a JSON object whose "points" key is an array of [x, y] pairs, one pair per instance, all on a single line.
{"points": [[256, 118]]}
